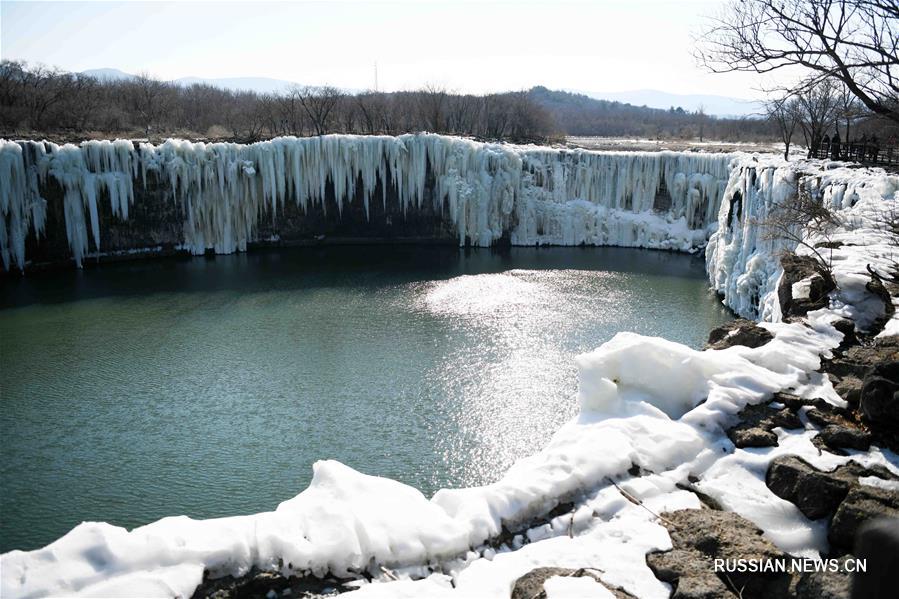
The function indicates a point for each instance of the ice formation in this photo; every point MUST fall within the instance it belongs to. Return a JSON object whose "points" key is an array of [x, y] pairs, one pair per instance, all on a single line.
{"points": [[670, 425], [744, 263], [536, 195]]}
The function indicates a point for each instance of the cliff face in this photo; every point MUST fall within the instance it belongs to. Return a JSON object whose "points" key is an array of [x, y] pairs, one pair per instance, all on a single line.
{"points": [[104, 198], [156, 224]]}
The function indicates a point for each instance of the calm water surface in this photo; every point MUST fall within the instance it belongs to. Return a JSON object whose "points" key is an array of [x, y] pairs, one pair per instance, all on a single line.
{"points": [[208, 387]]}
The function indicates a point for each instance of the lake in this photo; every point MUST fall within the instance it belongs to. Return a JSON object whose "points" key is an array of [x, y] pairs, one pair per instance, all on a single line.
{"points": [[209, 386]]}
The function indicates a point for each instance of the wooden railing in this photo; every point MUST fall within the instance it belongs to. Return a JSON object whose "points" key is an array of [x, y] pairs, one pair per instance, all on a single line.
{"points": [[863, 152]]}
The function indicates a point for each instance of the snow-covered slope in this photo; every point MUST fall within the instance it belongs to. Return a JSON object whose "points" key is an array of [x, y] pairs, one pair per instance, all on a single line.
{"points": [[535, 195]]}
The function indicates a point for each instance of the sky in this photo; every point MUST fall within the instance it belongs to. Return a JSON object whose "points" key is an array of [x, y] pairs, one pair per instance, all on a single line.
{"points": [[465, 46]]}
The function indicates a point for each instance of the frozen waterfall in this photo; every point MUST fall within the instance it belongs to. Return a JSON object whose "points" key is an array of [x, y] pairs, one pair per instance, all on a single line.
{"points": [[534, 195], [743, 258]]}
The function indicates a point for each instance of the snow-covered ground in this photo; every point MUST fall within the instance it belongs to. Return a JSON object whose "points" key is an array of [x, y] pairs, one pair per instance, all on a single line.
{"points": [[644, 402], [636, 144]]}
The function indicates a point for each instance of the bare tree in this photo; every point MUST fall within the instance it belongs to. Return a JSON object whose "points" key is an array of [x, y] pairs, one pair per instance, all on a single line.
{"points": [[700, 120], [319, 103], [291, 113], [802, 220], [497, 116], [854, 41], [818, 109], [147, 100], [66, 103], [784, 113], [432, 105], [82, 102], [43, 88], [849, 107]]}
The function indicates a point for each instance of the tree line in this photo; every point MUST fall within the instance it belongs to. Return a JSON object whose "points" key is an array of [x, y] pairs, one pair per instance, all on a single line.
{"points": [[39, 100], [36, 98], [581, 115]]}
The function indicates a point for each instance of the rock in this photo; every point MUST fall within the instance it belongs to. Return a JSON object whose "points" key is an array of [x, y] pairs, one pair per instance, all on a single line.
{"points": [[815, 493], [814, 278], [792, 402], [860, 359], [847, 327], [756, 422], [843, 436], [530, 585], [850, 389], [822, 418], [690, 572], [752, 437], [877, 542], [259, 583], [877, 288], [701, 536], [862, 504], [738, 332], [825, 585], [879, 397]]}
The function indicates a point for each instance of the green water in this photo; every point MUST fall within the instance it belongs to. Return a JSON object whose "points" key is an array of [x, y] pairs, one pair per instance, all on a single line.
{"points": [[208, 387]]}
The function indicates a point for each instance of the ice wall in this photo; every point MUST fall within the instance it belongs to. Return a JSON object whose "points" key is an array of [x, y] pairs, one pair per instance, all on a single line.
{"points": [[743, 257], [534, 195]]}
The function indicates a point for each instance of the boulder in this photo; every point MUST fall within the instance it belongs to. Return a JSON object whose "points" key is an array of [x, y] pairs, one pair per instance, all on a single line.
{"points": [[847, 328], [530, 585], [826, 584], [756, 424], [877, 542], [690, 572], [879, 396], [860, 359], [699, 537], [850, 389], [823, 417], [816, 493], [863, 503], [839, 437], [805, 274], [752, 437], [738, 332]]}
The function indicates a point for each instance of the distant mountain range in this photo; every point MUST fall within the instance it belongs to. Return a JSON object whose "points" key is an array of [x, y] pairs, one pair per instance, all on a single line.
{"points": [[263, 85], [713, 105], [652, 98]]}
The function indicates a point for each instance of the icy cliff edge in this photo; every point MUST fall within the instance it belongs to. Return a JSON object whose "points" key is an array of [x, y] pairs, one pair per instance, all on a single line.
{"points": [[530, 194]]}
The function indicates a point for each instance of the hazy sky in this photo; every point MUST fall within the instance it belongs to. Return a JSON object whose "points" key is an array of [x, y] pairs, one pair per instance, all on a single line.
{"points": [[596, 46]]}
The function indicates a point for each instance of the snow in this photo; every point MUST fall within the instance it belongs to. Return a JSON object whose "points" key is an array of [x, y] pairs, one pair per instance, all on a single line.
{"points": [[567, 587], [645, 402], [801, 289], [539, 196]]}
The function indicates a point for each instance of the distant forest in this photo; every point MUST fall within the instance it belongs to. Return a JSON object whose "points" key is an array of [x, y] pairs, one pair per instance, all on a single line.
{"points": [[40, 101]]}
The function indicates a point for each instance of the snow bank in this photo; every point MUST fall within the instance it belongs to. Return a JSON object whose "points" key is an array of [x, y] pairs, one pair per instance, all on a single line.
{"points": [[539, 196], [744, 265]]}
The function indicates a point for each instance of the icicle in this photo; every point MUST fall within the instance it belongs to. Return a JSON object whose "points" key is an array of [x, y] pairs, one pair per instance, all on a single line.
{"points": [[537, 195]]}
